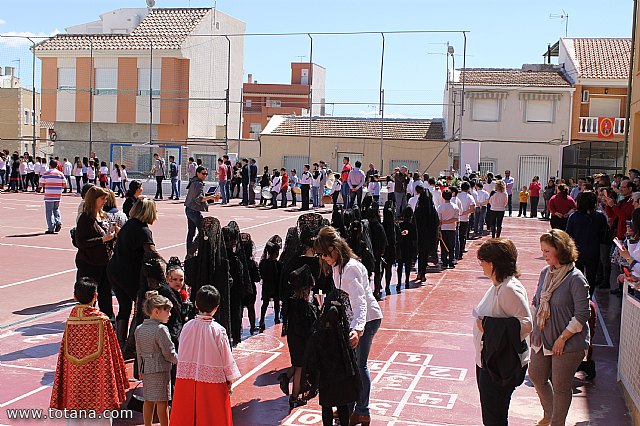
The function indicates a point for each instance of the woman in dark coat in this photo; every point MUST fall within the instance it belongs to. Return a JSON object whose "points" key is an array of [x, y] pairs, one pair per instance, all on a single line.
{"points": [[391, 233], [427, 223], [207, 264], [270, 270]]}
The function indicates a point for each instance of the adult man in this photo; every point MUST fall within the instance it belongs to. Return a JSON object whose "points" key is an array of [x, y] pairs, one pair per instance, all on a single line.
{"points": [[344, 175], [468, 205], [356, 181], [324, 173], [401, 182], [244, 174], [448, 214], [174, 174], [191, 169], [159, 172], [227, 188], [575, 191], [508, 180], [195, 203], [481, 200], [284, 187], [52, 182], [305, 184], [222, 180], [67, 167], [253, 179]]}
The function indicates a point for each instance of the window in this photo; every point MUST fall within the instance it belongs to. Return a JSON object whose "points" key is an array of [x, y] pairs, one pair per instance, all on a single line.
{"points": [[585, 96], [412, 165], [33, 116], [275, 103], [255, 129], [485, 166], [145, 80], [248, 103], [106, 81], [26, 116], [66, 78], [604, 107], [486, 109], [539, 111]]}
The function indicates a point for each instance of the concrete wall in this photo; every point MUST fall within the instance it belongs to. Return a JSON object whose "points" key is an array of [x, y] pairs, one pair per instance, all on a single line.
{"points": [[432, 155]]}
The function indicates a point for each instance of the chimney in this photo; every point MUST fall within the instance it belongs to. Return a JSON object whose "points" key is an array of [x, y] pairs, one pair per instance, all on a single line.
{"points": [[250, 78], [8, 71]]}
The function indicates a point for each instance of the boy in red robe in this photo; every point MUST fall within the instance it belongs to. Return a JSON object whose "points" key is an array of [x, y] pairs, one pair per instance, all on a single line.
{"points": [[90, 374]]}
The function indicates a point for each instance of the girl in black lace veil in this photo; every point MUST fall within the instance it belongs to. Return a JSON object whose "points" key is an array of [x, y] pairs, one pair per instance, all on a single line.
{"points": [[249, 298], [239, 271]]}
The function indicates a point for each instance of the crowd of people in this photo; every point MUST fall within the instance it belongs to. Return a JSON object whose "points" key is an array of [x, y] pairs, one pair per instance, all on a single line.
{"points": [[179, 320]]}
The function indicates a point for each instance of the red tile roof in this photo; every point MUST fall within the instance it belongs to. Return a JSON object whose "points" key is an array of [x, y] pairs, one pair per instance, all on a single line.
{"points": [[512, 77], [606, 58], [394, 128], [165, 28]]}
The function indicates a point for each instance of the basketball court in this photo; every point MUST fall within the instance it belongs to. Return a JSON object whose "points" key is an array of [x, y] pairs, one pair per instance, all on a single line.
{"points": [[422, 359]]}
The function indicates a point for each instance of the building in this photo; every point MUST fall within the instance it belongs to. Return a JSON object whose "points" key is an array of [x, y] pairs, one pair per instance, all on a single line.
{"points": [[157, 76], [598, 69], [516, 119], [633, 159], [18, 117], [263, 101], [291, 142]]}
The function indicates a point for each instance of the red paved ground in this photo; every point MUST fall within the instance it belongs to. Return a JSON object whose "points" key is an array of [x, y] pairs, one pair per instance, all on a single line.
{"points": [[422, 359]]}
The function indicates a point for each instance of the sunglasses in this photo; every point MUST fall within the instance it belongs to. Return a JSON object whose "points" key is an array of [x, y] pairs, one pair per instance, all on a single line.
{"points": [[204, 173]]}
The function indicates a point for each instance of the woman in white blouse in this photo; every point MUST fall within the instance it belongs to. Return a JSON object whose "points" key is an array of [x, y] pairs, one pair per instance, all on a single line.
{"points": [[276, 186], [351, 276], [498, 202], [506, 298]]}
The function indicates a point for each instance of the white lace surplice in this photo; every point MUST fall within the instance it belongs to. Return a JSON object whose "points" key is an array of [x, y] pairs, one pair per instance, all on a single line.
{"points": [[205, 354]]}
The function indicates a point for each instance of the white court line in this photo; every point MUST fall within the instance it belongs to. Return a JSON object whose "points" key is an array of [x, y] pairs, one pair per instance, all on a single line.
{"points": [[23, 367], [254, 371], [447, 333], [605, 331], [37, 247], [37, 278], [16, 399]]}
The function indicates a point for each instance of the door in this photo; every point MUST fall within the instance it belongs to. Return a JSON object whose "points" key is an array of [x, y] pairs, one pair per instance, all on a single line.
{"points": [[353, 157], [530, 166]]}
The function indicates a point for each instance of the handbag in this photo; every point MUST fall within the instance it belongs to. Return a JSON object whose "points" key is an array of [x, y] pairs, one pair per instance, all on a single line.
{"points": [[135, 402]]}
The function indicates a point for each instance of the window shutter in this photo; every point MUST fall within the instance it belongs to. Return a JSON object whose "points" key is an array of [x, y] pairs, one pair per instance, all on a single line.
{"points": [[539, 111], [485, 109]]}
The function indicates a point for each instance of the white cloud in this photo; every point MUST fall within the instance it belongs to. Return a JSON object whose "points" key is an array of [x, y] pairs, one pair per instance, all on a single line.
{"points": [[2, 21]]}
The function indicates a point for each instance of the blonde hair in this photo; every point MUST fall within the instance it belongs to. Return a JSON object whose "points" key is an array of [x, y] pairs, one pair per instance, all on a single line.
{"points": [[501, 186], [111, 200], [153, 300], [144, 210], [91, 198]]}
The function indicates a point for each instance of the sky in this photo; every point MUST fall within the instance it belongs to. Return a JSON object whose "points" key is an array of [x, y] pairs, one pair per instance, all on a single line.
{"points": [[500, 34]]}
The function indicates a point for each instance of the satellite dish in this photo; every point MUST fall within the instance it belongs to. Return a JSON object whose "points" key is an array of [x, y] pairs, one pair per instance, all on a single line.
{"points": [[151, 3]]}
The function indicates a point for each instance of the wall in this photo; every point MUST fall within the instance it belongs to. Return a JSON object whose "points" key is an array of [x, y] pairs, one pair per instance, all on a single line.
{"points": [[581, 109], [10, 119], [633, 160], [433, 155]]}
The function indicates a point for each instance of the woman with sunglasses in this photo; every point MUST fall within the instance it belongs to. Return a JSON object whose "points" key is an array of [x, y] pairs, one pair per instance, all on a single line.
{"points": [[196, 203], [560, 334], [351, 277]]}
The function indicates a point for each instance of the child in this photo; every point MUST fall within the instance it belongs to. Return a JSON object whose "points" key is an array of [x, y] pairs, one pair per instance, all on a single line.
{"points": [[249, 298], [156, 355], [90, 374], [335, 188], [337, 375], [206, 368], [391, 232], [524, 199], [407, 246], [373, 187], [301, 315], [104, 174], [449, 214], [125, 178], [270, 269], [265, 180]]}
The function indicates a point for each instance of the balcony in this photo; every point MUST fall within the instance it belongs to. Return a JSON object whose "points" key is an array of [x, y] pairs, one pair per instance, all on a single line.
{"points": [[589, 126]]}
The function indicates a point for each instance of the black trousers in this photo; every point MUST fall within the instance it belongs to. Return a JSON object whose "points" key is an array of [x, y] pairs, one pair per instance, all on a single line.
{"points": [[559, 222], [589, 268], [304, 188], [388, 268], [462, 237], [447, 247], [407, 264], [159, 180], [423, 258], [99, 275], [378, 269], [495, 399], [534, 206], [343, 415], [496, 223], [509, 205], [523, 209]]}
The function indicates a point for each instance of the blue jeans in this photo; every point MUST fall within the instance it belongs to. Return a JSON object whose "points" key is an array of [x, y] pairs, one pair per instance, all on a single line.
{"points": [[194, 219], [481, 212], [315, 196], [222, 188], [346, 197], [227, 188], [52, 212], [362, 357], [175, 188]]}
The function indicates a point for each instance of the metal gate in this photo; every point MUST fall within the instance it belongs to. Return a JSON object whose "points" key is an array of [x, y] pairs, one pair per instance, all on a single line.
{"points": [[412, 165], [530, 166], [295, 162], [353, 157], [485, 166]]}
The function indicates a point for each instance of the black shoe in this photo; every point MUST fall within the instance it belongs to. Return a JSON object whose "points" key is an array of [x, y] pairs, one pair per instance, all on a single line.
{"points": [[49, 232], [276, 321], [57, 228], [378, 297], [284, 383], [295, 403], [387, 291], [262, 327], [252, 330], [398, 289], [452, 266]]}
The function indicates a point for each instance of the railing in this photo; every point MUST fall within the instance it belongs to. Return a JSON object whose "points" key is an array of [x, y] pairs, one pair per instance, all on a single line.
{"points": [[589, 125]]}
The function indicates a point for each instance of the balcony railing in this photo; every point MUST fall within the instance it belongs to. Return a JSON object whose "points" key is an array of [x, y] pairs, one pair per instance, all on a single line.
{"points": [[589, 125]]}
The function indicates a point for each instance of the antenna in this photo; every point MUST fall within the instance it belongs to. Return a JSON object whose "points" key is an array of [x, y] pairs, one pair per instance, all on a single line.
{"points": [[301, 57], [563, 17], [151, 3]]}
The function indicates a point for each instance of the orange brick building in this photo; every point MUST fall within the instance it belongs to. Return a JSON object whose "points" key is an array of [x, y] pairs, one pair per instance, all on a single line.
{"points": [[263, 101]]}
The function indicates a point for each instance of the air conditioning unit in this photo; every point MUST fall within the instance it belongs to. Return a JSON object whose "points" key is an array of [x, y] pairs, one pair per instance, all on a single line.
{"points": [[585, 96]]}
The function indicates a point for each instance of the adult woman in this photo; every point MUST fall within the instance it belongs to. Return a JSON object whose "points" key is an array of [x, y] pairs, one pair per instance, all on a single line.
{"points": [[534, 192], [588, 227], [503, 313], [93, 239], [561, 206], [350, 276], [133, 193], [134, 239], [116, 180], [77, 173], [275, 188], [195, 203], [498, 203], [560, 334], [549, 191], [111, 209]]}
